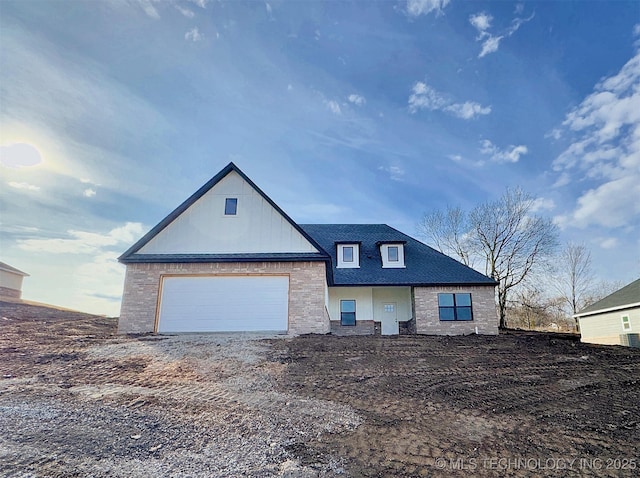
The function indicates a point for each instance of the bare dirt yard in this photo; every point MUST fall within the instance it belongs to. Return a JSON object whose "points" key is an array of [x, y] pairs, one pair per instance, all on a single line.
{"points": [[78, 400]]}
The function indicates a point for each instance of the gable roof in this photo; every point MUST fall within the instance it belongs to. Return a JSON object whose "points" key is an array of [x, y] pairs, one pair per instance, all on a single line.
{"points": [[424, 266], [7, 268], [130, 255], [626, 297]]}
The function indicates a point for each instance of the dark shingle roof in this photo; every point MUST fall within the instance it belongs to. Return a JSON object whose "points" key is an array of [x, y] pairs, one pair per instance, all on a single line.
{"points": [[629, 294], [424, 265]]}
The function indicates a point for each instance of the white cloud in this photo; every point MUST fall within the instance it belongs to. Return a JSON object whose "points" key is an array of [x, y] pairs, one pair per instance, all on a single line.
{"points": [[425, 97], [490, 45], [481, 21], [509, 155], [82, 242], [334, 107], [415, 8], [89, 193], [200, 3], [605, 148], [22, 185], [185, 11], [608, 242], [490, 41], [357, 99], [468, 109], [396, 173], [543, 204], [194, 35], [149, 9]]}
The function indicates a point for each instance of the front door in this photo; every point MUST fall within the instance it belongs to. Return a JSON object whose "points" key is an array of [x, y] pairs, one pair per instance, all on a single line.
{"points": [[389, 319]]}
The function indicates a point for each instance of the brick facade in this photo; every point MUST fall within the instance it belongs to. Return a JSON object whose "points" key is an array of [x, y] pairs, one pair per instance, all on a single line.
{"points": [[307, 312], [362, 327], [8, 292], [485, 316]]}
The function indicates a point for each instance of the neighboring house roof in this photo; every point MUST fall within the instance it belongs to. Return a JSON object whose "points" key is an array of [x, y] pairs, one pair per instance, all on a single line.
{"points": [[423, 264], [628, 296], [130, 255], [7, 268]]}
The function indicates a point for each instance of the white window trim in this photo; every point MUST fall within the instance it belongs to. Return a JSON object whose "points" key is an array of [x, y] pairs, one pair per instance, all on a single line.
{"points": [[356, 257], [384, 253], [628, 322]]}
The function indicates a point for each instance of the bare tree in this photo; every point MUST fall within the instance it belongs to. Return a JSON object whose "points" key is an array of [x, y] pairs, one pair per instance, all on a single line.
{"points": [[449, 233], [506, 234], [573, 277], [513, 241]]}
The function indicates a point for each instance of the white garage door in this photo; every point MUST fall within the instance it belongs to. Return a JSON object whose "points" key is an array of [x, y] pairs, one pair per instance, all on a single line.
{"points": [[224, 304]]}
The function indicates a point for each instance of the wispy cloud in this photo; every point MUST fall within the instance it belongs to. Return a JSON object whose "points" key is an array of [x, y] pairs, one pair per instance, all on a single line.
{"points": [[194, 35], [89, 193], [543, 204], [605, 148], [491, 42], [511, 154], [23, 185], [357, 99], [396, 173], [415, 8], [185, 11], [148, 8], [82, 242], [334, 107], [424, 96]]}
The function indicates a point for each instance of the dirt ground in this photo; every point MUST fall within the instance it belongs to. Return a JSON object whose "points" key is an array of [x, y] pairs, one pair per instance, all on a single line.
{"points": [[78, 400]]}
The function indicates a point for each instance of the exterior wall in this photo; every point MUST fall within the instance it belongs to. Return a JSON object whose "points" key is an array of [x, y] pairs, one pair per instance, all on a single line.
{"points": [[400, 295], [307, 312], [606, 328], [10, 281], [369, 307], [8, 292], [485, 316], [203, 228]]}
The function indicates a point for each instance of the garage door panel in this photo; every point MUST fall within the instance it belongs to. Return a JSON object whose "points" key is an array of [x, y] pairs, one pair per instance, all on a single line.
{"points": [[224, 304]]}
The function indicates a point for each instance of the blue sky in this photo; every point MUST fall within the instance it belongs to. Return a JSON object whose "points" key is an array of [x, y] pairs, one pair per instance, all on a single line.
{"points": [[114, 112]]}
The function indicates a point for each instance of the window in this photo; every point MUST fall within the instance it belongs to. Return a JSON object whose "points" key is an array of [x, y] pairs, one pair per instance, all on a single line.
{"points": [[626, 324], [389, 308], [455, 306], [347, 254], [393, 253], [347, 312], [230, 206]]}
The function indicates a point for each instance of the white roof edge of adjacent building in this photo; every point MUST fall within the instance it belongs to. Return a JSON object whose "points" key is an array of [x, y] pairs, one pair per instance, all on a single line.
{"points": [[610, 309]]}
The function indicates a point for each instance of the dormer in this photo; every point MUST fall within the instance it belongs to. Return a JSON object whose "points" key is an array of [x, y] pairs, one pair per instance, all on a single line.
{"points": [[392, 254], [348, 254]]}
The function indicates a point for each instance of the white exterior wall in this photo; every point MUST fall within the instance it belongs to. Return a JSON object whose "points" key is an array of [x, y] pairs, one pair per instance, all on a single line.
{"points": [[204, 229], [362, 295], [11, 280], [606, 328], [400, 295]]}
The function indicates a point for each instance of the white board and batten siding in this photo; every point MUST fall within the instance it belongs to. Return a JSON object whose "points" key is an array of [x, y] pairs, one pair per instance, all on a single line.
{"points": [[204, 228], [223, 304]]}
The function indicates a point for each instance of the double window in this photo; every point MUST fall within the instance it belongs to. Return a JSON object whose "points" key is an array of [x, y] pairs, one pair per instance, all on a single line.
{"points": [[455, 306], [348, 312]]}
